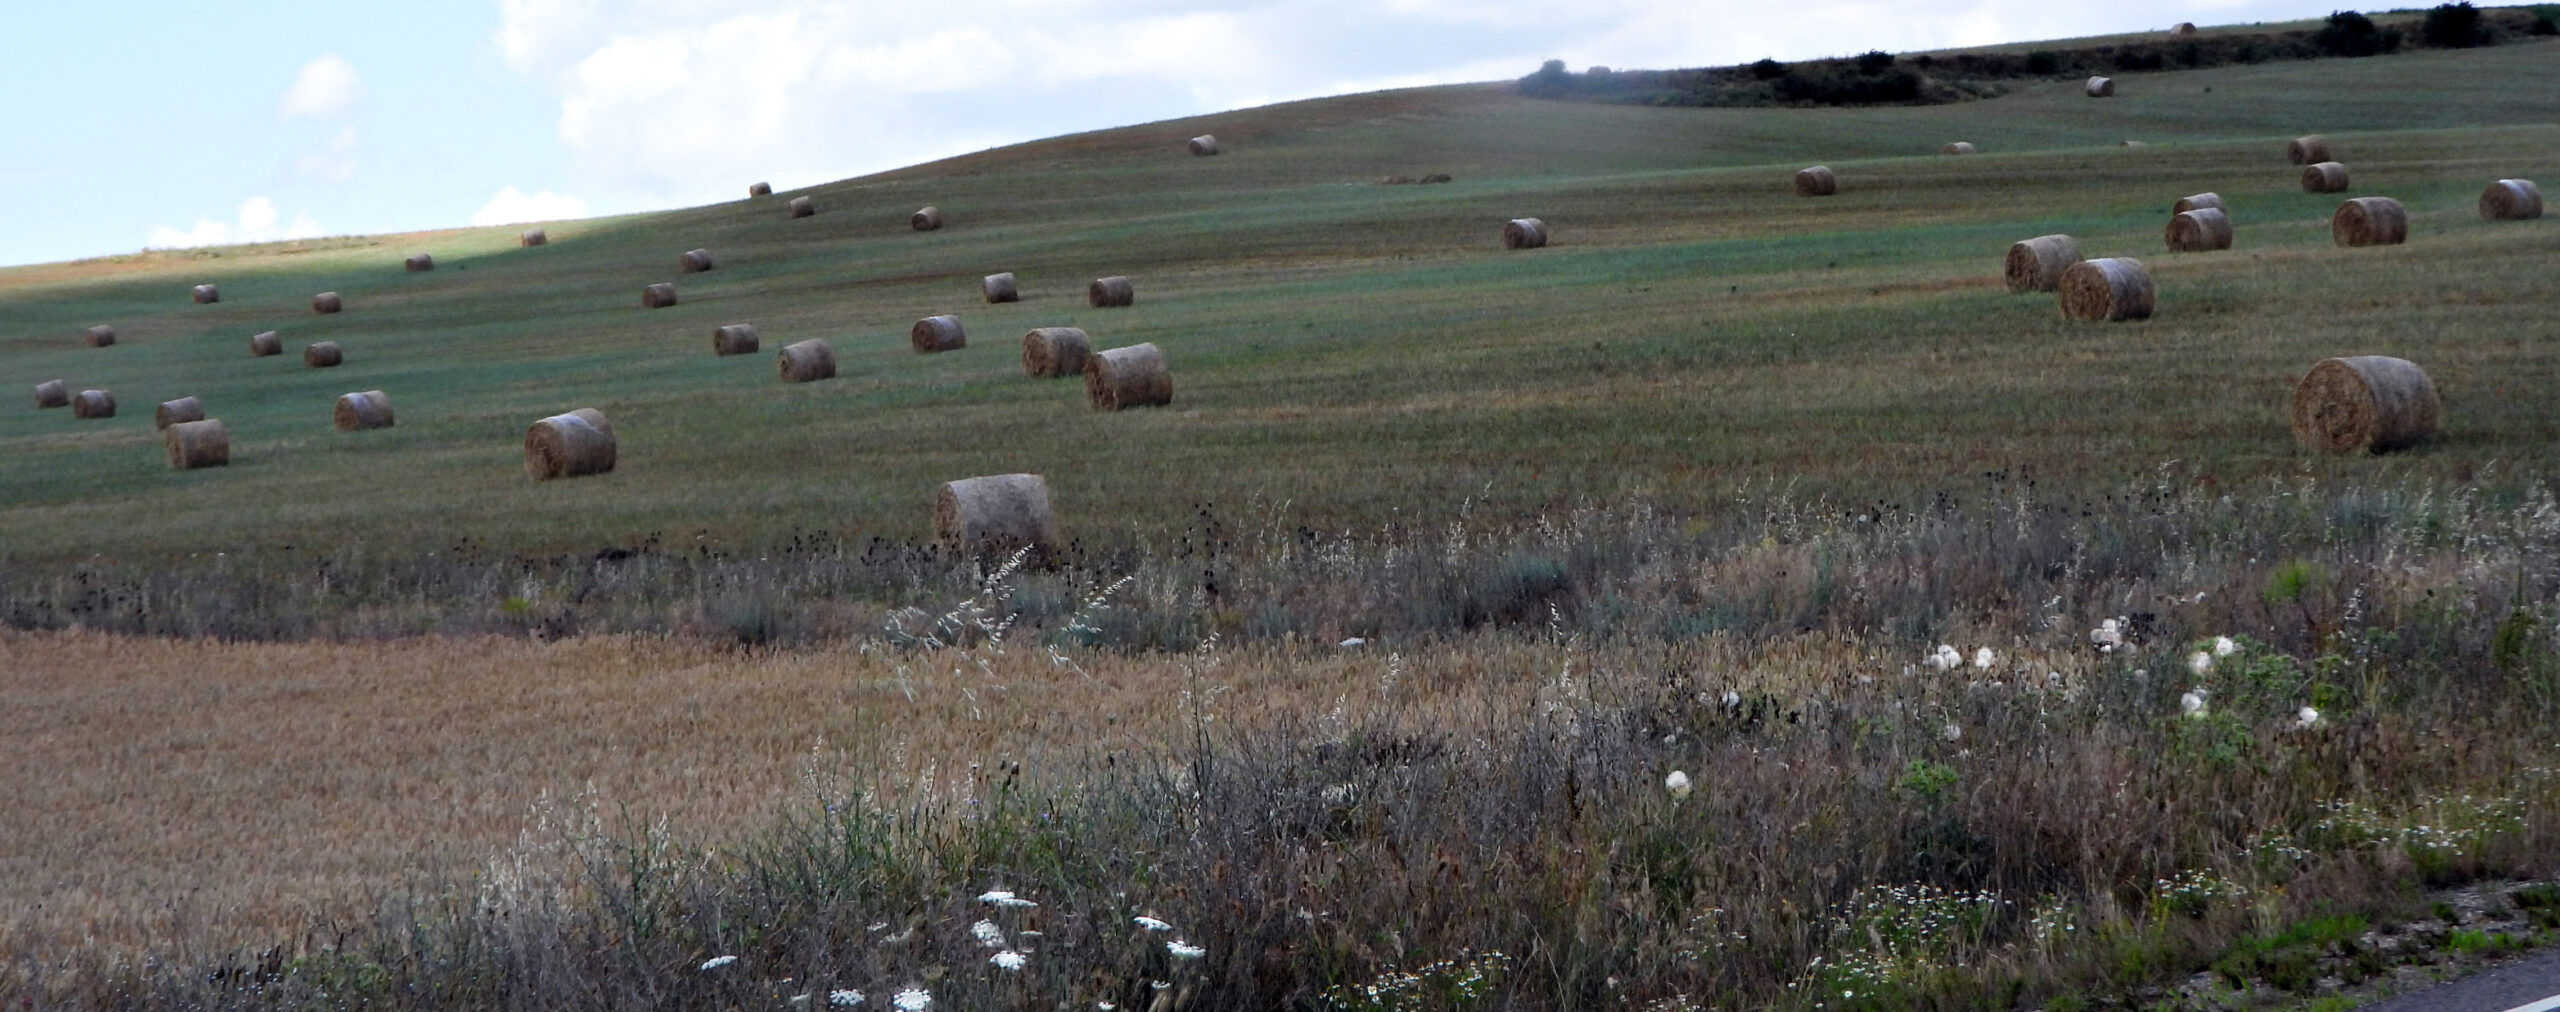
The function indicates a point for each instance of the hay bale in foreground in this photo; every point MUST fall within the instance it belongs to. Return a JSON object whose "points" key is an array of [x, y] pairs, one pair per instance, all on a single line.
{"points": [[1957, 148], [2365, 403], [2325, 177], [533, 237], [735, 339], [93, 404], [1524, 233], [265, 343], [925, 219], [184, 409], [802, 208], [200, 443], [1000, 288], [997, 514], [2100, 87], [1817, 181], [52, 394], [2109, 290], [1203, 146], [658, 296], [2511, 200], [421, 262], [2201, 230], [695, 261], [326, 303], [937, 333], [759, 189], [569, 446], [1129, 377], [101, 336], [805, 361], [369, 409], [205, 294], [2370, 221], [2036, 265], [2308, 149], [1105, 293], [323, 355], [2198, 200], [1050, 352]]}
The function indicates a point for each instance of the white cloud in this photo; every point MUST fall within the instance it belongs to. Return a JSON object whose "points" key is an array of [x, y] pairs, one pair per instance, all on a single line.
{"points": [[512, 205], [333, 162], [326, 87], [255, 222]]}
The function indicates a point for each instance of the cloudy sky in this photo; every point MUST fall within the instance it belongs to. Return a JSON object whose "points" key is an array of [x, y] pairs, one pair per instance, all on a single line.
{"points": [[168, 124]]}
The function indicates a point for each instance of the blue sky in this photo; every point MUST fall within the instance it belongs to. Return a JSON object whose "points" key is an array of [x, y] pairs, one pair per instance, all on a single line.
{"points": [[164, 124]]}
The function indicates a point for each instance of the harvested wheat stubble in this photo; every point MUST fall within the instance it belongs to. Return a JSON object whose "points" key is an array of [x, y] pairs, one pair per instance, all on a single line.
{"points": [[1049, 352], [996, 514], [2110, 289], [2365, 402], [101, 336], [1105, 293], [1957, 148], [937, 333], [2036, 265], [93, 404], [52, 394], [1129, 377], [323, 355], [735, 339], [326, 303], [184, 409], [1524, 233], [265, 343], [2309, 149], [2100, 87], [2370, 221], [1816, 181], [200, 443], [695, 261], [569, 446], [805, 361], [925, 220], [759, 189], [802, 208], [1204, 145], [2199, 200], [2511, 200], [421, 262], [1000, 288], [2326, 177], [658, 296], [2200, 230], [533, 237], [370, 409], [207, 293]]}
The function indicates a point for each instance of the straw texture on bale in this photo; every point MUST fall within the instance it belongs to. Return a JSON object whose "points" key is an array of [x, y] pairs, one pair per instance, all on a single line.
{"points": [[2201, 230], [926, 219], [533, 237], [938, 333], [2370, 221], [2511, 200], [326, 303], [323, 354], [52, 394], [101, 336], [2200, 200], [658, 296], [184, 409], [759, 189], [1049, 352], [370, 409], [1001, 288], [695, 261], [201, 443], [421, 262], [735, 339], [2325, 177], [1129, 377], [2111, 289], [2365, 403], [802, 208], [93, 404], [805, 361], [2036, 265], [2100, 87], [265, 343], [571, 445], [1204, 145], [1816, 181], [1105, 293], [997, 514], [1957, 148], [207, 293], [2310, 149], [1524, 233]]}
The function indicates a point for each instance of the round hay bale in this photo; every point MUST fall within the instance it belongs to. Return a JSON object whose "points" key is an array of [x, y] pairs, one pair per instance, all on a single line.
{"points": [[937, 333], [1129, 377], [2370, 221], [658, 296], [1957, 148], [2036, 265], [2511, 200], [533, 237], [2365, 403], [52, 394], [369, 409], [101, 336], [997, 514], [2100, 87], [2133, 144], [925, 220], [1105, 293], [2111, 289], [1816, 181], [806, 360], [2309, 149], [1204, 145], [326, 303], [735, 339], [323, 355], [2199, 200], [695, 261], [2201, 230], [2183, 28], [759, 189], [1049, 352], [200, 443], [2325, 177], [421, 262], [1524, 233], [569, 446], [207, 294], [802, 208], [93, 404], [265, 343], [184, 409], [1000, 288]]}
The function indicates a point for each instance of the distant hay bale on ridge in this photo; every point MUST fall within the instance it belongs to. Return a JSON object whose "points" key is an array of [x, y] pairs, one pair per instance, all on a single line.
{"points": [[572, 445], [1110, 292], [658, 296], [1050, 352], [368, 409], [205, 294], [2511, 200], [2325, 177], [1817, 181], [759, 189], [2107, 290], [326, 303], [2308, 149], [184, 409], [265, 343], [1129, 377], [802, 208], [806, 361], [937, 333], [2036, 265], [533, 237], [1957, 148], [926, 219], [2183, 28], [1000, 288], [52, 394], [323, 355], [1203, 146], [93, 404], [2100, 87], [100, 336], [735, 339], [694, 261], [996, 514], [200, 443], [2199, 200], [421, 262], [2198, 231], [1524, 233], [2370, 221], [2365, 403]]}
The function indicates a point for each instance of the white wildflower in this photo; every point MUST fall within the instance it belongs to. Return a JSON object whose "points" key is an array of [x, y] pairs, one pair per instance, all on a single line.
{"points": [[1944, 658], [2306, 718], [1004, 898], [717, 962], [1732, 698], [1951, 732], [844, 997], [1150, 923], [2109, 635], [2200, 662], [914, 999], [987, 934], [2224, 647], [2192, 703], [1677, 783], [1180, 949], [1354, 642], [1007, 960], [1984, 658]]}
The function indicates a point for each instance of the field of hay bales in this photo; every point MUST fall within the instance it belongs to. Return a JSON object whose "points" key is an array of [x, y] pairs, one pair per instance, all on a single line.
{"points": [[1367, 658]]}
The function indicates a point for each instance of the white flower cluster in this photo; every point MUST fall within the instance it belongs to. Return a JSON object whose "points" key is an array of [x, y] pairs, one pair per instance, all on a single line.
{"points": [[1677, 783], [1948, 658], [2112, 634]]}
